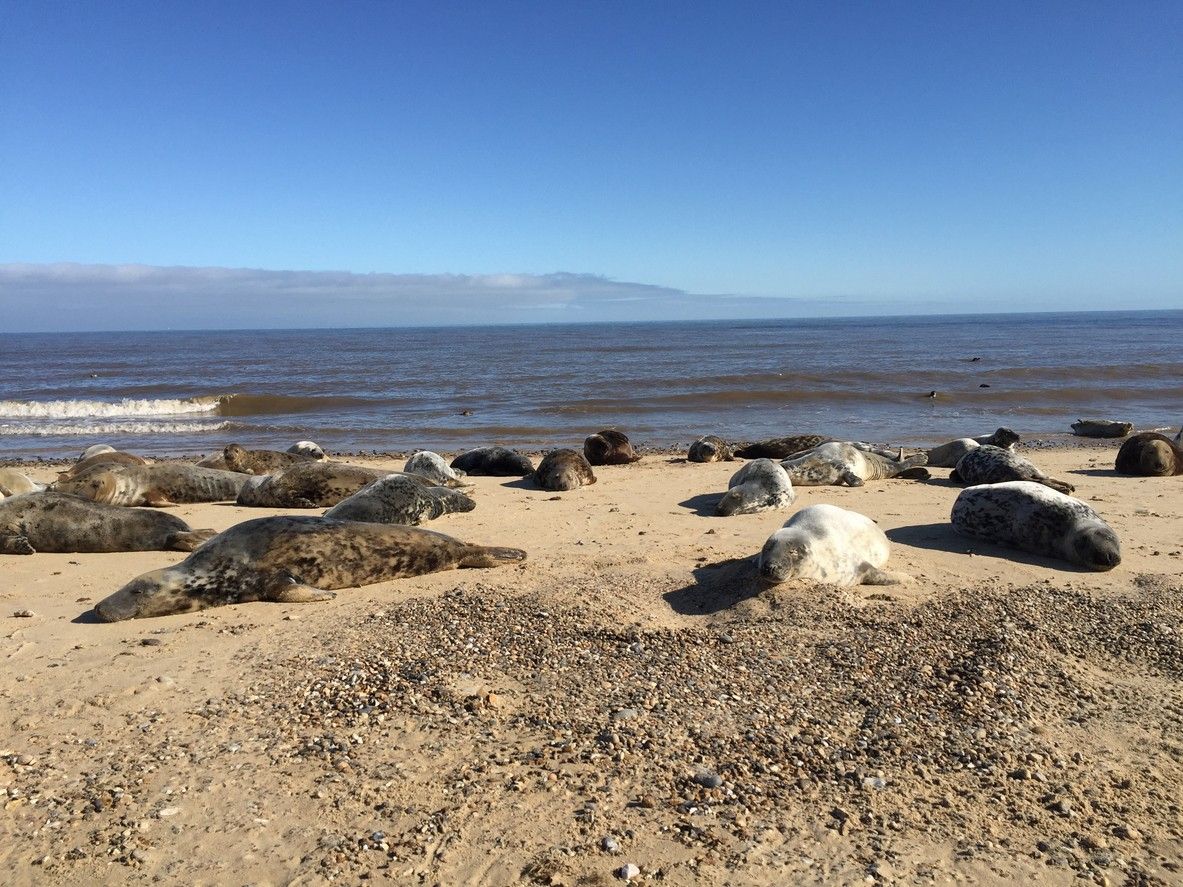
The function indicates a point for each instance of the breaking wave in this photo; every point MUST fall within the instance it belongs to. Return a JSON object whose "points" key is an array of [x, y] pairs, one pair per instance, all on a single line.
{"points": [[96, 409], [54, 429]]}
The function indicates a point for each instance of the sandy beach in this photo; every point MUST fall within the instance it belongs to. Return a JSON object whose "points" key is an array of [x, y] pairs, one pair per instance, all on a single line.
{"points": [[626, 697]]}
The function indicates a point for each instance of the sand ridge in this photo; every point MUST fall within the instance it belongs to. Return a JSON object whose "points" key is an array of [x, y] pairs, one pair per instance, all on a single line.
{"points": [[628, 695]]}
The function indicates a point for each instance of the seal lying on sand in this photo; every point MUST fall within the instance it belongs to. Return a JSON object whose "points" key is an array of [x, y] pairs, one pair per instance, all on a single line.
{"points": [[13, 483], [432, 466], [294, 560], [160, 485], [828, 544], [609, 447], [781, 447], [836, 463], [105, 457], [400, 499], [710, 449], [309, 485], [563, 470], [1150, 454], [761, 485], [1035, 518], [493, 462], [948, 455], [994, 465], [1101, 428], [307, 448], [63, 523], [304, 449], [238, 458]]}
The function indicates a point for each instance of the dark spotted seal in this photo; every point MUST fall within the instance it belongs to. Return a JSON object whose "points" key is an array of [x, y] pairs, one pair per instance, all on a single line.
{"points": [[710, 448], [761, 485], [239, 458], [309, 485], [63, 523], [294, 560], [159, 485], [563, 470], [825, 543], [948, 455], [781, 447], [1033, 517], [493, 462], [994, 465], [609, 447], [400, 499], [836, 463], [1150, 454]]}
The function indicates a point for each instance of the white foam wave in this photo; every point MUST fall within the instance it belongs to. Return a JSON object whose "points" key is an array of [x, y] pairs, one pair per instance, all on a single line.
{"points": [[54, 429], [95, 409]]}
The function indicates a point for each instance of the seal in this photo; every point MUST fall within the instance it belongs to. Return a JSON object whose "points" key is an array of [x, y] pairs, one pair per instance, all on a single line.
{"points": [[838, 462], [1101, 428], [59, 522], [493, 462], [105, 457], [609, 447], [994, 465], [159, 485], [307, 448], [1035, 518], [1151, 454], [433, 467], [304, 448], [13, 483], [294, 560], [309, 484], [259, 461], [562, 470], [828, 544], [761, 485], [95, 450], [400, 499], [947, 455], [781, 447], [710, 448]]}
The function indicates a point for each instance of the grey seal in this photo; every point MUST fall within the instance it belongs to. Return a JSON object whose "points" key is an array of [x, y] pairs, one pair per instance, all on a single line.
{"points": [[304, 448], [781, 447], [432, 466], [949, 454], [13, 483], [609, 447], [828, 544], [294, 560], [159, 485], [710, 448], [238, 458], [1035, 518], [838, 462], [564, 470], [1151, 454], [400, 499], [761, 485], [1101, 428], [493, 462], [307, 448], [994, 465], [309, 484], [108, 456], [59, 522]]}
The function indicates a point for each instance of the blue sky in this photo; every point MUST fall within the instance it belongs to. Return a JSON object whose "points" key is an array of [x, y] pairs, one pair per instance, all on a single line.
{"points": [[813, 158]]}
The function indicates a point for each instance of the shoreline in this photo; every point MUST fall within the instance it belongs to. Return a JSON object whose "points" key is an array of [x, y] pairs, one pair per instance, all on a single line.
{"points": [[627, 695]]}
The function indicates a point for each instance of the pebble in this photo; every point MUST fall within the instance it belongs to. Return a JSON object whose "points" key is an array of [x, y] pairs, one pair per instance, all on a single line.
{"points": [[708, 779], [151, 642], [628, 871], [610, 844]]}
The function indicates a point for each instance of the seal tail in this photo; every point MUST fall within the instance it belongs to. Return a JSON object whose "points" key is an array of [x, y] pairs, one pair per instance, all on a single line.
{"points": [[188, 541], [491, 556]]}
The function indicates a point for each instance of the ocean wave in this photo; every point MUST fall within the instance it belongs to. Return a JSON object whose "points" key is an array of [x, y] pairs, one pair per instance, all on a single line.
{"points": [[97, 409], [67, 429]]}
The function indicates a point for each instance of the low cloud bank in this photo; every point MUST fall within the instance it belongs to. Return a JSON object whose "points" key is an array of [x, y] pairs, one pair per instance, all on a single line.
{"points": [[66, 296]]}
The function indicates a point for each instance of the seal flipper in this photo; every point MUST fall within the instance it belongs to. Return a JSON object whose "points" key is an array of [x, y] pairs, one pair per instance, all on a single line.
{"points": [[875, 576], [16, 545], [491, 556], [157, 499], [1058, 485], [850, 479], [188, 541], [286, 589], [916, 472]]}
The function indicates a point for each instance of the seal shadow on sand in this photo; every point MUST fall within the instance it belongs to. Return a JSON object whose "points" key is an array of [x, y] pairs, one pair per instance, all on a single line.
{"points": [[1096, 472], [703, 504], [942, 537], [523, 483], [718, 586]]}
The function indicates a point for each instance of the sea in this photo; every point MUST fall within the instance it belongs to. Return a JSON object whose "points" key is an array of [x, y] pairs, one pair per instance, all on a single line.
{"points": [[896, 380]]}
